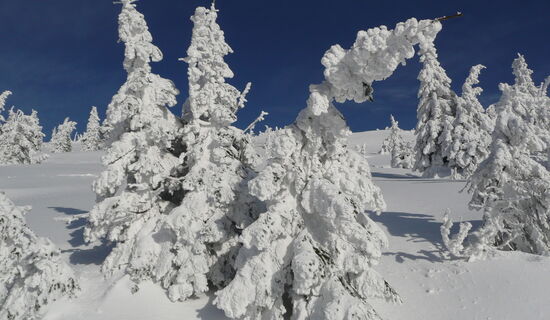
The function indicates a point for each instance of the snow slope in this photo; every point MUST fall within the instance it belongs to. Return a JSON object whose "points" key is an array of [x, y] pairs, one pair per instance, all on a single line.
{"points": [[509, 286]]}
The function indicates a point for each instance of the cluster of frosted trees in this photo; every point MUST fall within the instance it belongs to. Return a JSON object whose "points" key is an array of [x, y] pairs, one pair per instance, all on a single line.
{"points": [[188, 202], [512, 184], [21, 136]]}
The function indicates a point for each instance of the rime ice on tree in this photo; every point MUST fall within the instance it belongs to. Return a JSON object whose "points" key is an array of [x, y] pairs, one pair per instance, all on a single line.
{"points": [[472, 129], [131, 192], [91, 140], [200, 235], [32, 274], [21, 139], [61, 137], [316, 245], [435, 114], [394, 138]]}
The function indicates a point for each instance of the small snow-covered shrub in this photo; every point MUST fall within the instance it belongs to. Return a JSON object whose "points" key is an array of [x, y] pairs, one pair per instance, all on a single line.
{"points": [[32, 274]]}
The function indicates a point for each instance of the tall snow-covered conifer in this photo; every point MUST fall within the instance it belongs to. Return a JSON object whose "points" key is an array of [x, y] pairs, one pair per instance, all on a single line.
{"points": [[472, 129], [91, 140], [435, 114], [132, 196], [201, 234], [32, 274], [315, 247]]}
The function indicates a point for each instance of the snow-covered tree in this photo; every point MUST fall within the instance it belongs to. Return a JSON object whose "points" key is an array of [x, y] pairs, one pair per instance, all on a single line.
{"points": [[393, 139], [61, 137], [32, 273], [199, 237], [315, 247], [512, 186], [3, 97], [472, 129], [91, 140], [402, 155], [21, 139], [131, 193], [362, 149], [435, 114]]}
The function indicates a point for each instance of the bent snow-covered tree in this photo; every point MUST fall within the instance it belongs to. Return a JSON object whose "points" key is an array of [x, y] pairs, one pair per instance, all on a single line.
{"points": [[131, 192], [435, 114], [315, 247], [200, 236], [91, 140], [32, 273], [472, 129], [512, 186], [61, 137]]}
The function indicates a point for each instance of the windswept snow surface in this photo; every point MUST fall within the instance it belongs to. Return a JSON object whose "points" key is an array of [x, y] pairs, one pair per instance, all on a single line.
{"points": [[509, 286]]}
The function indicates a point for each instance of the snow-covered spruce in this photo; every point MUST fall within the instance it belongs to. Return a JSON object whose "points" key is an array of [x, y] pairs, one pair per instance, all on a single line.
{"points": [[3, 97], [393, 139], [91, 140], [61, 137], [512, 186], [402, 155], [32, 274], [131, 192], [435, 114], [200, 235], [401, 152], [21, 139], [315, 246], [472, 129]]}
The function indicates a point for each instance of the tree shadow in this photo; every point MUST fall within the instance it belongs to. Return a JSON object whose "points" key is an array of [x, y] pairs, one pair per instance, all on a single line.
{"points": [[68, 211], [209, 311], [406, 176], [417, 228], [81, 252]]}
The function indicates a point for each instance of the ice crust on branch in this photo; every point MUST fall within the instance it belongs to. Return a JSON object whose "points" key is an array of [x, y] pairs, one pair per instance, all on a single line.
{"points": [[316, 247], [32, 274], [132, 193]]}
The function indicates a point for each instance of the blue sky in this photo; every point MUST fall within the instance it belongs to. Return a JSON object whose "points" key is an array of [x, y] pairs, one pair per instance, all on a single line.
{"points": [[60, 57]]}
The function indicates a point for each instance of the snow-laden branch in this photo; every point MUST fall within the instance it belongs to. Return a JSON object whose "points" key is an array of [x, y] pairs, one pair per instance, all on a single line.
{"points": [[260, 118]]}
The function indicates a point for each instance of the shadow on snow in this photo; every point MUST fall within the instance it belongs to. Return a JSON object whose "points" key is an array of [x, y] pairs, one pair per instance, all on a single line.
{"points": [[80, 252], [417, 228]]}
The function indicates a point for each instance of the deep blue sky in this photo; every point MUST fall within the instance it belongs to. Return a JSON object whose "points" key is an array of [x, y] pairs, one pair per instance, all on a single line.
{"points": [[62, 56]]}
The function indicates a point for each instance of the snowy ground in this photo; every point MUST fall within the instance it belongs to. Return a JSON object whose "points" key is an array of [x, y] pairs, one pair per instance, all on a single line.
{"points": [[509, 286]]}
